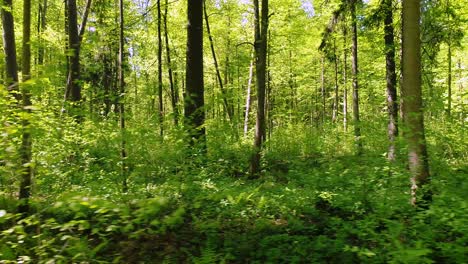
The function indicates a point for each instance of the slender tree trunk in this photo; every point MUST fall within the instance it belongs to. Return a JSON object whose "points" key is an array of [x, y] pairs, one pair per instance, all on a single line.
{"points": [[345, 78], [121, 61], [392, 100], [248, 97], [322, 90], [26, 144], [9, 47], [449, 80], [337, 98], [226, 105], [160, 84], [194, 102], [41, 26], [173, 88], [354, 51], [412, 98], [261, 44]]}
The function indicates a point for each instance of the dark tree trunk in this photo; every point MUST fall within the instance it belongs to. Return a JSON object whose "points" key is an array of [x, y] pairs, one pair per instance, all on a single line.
{"points": [[41, 26], [226, 105], [121, 61], [160, 84], [261, 44], [345, 77], [73, 89], [392, 100], [26, 144], [194, 102], [412, 99], [9, 47], [323, 91], [173, 87], [354, 51]]}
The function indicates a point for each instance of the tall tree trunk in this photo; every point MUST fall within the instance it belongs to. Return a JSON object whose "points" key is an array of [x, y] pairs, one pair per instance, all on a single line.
{"points": [[121, 61], [160, 84], [449, 80], [392, 100], [261, 44], [337, 98], [26, 144], [248, 97], [73, 89], [412, 99], [345, 77], [173, 87], [323, 90], [9, 47], [41, 26], [226, 105], [354, 51], [194, 102]]}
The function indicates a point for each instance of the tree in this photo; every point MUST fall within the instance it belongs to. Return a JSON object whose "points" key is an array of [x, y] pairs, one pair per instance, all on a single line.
{"points": [[227, 107], [261, 44], [73, 89], [9, 46], [75, 36], [173, 87], [26, 144], [392, 101], [355, 71], [194, 102], [160, 84], [412, 99], [121, 76]]}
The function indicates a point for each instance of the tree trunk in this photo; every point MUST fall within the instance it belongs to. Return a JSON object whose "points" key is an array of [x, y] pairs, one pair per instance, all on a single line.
{"points": [[173, 88], [261, 44], [9, 47], [73, 89], [322, 90], [121, 61], [248, 97], [226, 105], [194, 102], [26, 144], [412, 99], [41, 26], [392, 100], [449, 80], [337, 98], [345, 78], [354, 51], [160, 84]]}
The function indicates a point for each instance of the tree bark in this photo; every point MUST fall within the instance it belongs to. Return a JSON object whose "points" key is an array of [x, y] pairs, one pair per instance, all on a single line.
{"points": [[337, 98], [412, 99], [173, 87], [354, 51], [194, 102], [9, 47], [392, 100], [261, 44], [248, 97], [160, 84], [121, 79], [41, 26], [345, 77], [26, 143], [73, 89]]}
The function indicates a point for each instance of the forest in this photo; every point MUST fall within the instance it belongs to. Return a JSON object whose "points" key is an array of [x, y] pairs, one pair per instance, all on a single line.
{"points": [[233, 131]]}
